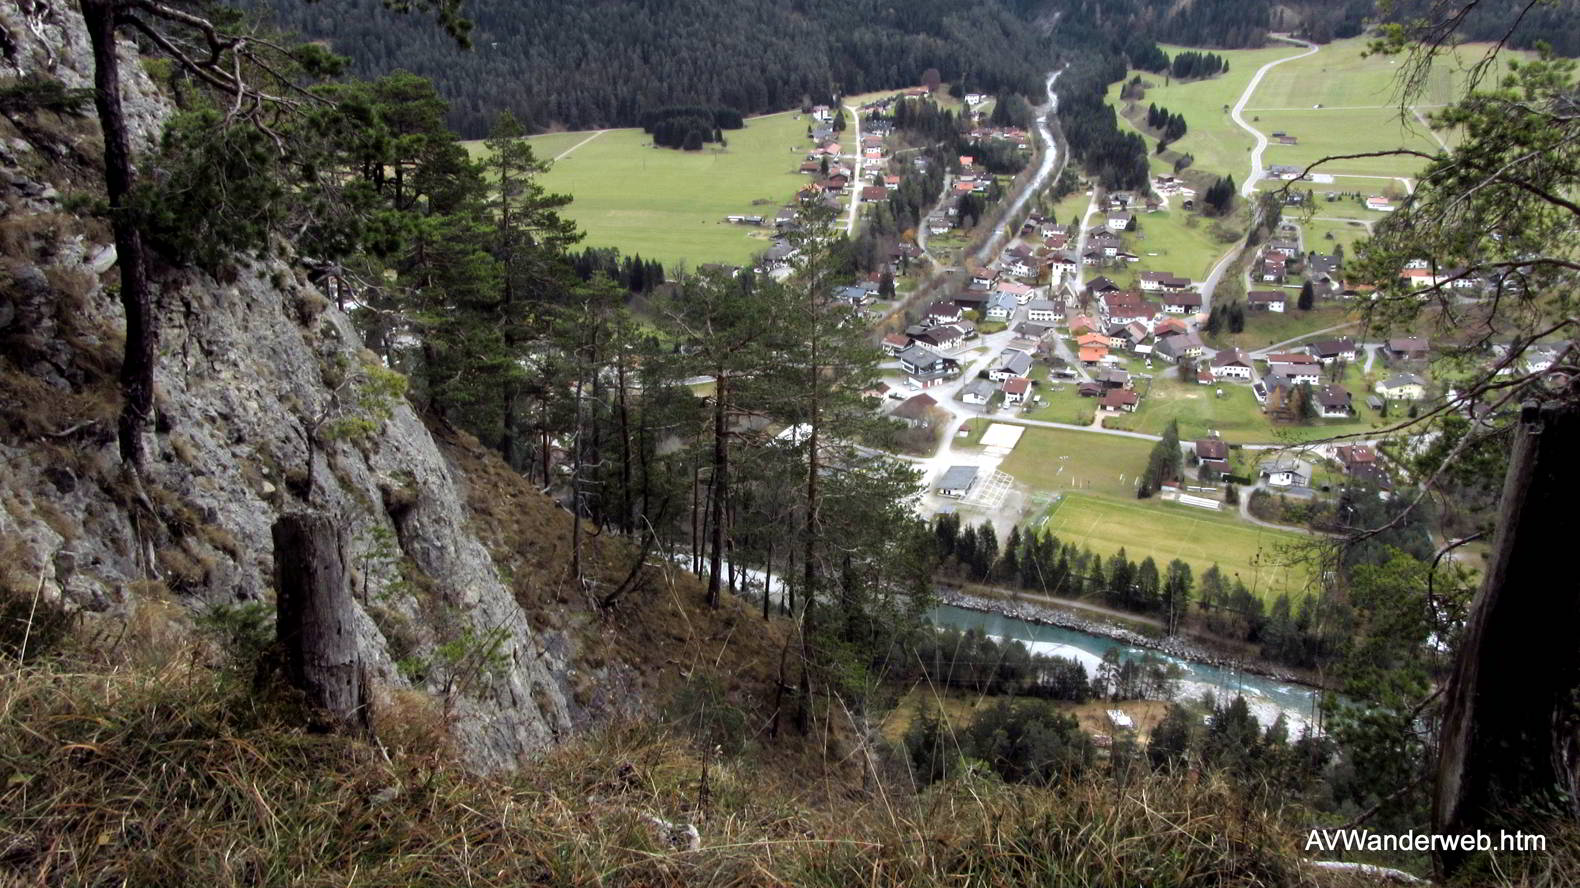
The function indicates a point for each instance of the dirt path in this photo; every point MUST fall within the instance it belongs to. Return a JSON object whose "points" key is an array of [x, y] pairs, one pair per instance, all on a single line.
{"points": [[567, 151]]}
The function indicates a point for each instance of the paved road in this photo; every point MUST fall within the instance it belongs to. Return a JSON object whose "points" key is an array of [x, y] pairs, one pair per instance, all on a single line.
{"points": [[1215, 277], [1249, 186], [856, 184]]}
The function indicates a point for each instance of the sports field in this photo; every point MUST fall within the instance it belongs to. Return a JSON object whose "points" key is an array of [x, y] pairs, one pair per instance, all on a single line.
{"points": [[670, 205], [1059, 460], [1257, 556]]}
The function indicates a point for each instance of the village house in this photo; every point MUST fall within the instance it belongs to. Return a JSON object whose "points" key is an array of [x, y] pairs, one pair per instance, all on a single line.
{"points": [[1033, 331], [1105, 242], [1091, 354], [1310, 374], [1333, 402], [1322, 268], [1120, 400], [1169, 327], [1012, 363], [1123, 307], [1402, 387], [1380, 204], [1291, 358], [1287, 248], [1327, 351], [1082, 324], [1361, 463], [942, 338], [943, 313], [1287, 471], [1163, 281], [978, 391], [1214, 455], [1122, 221], [1020, 261], [1016, 390], [1001, 307], [1100, 286], [926, 367], [1412, 349], [874, 193], [1114, 377], [894, 343], [1231, 363], [1182, 303], [916, 411], [1043, 311], [1273, 268], [1021, 293], [956, 481], [1180, 347]]}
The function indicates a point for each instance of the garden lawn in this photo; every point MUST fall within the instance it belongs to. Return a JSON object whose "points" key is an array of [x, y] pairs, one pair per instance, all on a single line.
{"points": [[1061, 460], [1198, 409], [670, 205], [1257, 556], [1315, 231], [1061, 403]]}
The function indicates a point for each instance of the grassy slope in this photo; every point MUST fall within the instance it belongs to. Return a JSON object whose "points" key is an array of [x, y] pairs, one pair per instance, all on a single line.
{"points": [[670, 205], [1168, 241]]}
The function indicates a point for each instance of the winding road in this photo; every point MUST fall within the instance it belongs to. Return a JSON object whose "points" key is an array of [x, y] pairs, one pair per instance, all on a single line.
{"points": [[1249, 187]]}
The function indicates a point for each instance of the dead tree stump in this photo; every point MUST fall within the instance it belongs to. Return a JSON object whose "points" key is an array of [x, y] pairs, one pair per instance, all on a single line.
{"points": [[315, 619]]}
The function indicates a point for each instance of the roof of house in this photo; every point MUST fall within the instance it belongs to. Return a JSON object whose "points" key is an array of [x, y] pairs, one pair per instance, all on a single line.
{"points": [[982, 388], [1212, 448], [1091, 339], [1269, 296], [1354, 454], [1287, 463], [1016, 362], [898, 340], [1120, 398], [1016, 386], [1407, 344], [1042, 305], [1101, 284], [957, 478], [1187, 298], [943, 310], [1290, 358], [919, 355], [1402, 379], [1333, 346], [1091, 353], [1333, 396], [1231, 356], [916, 407], [1114, 375]]}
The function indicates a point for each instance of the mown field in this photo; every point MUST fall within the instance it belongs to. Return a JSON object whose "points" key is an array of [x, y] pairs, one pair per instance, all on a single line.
{"points": [[1060, 460], [670, 205], [1259, 557], [1236, 417], [1174, 241]]}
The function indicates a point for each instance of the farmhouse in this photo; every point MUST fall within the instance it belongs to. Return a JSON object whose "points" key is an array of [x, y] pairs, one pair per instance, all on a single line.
{"points": [[1214, 455], [1231, 363], [895, 343], [944, 313], [1181, 303], [1043, 311], [1327, 351], [956, 481], [1406, 348], [916, 411]]}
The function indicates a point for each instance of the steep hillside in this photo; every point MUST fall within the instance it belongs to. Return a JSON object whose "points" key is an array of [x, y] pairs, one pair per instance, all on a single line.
{"points": [[458, 565]]}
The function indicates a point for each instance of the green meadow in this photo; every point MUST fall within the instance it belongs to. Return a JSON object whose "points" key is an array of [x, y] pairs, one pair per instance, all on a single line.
{"points": [[670, 205], [1173, 240], [1257, 556]]}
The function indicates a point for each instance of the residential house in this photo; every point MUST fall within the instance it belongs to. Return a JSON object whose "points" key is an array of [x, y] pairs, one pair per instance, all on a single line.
{"points": [[1361, 463], [1164, 282], [1123, 307], [1170, 327], [1287, 471], [1273, 268], [1291, 358], [1043, 311], [1092, 354], [1001, 307], [1402, 387], [855, 296], [1284, 171], [1180, 347], [1333, 402], [1011, 364], [1082, 324], [895, 343], [1327, 351], [1380, 204], [1114, 377], [1020, 261], [956, 481], [1100, 286], [944, 313], [1033, 331], [1182, 302], [942, 338], [891, 183], [927, 367], [1092, 340], [978, 391], [1231, 363], [1105, 242], [1322, 268], [1120, 399], [916, 411], [1091, 390], [1121, 221], [1309, 374], [1016, 389], [874, 193], [1406, 349], [985, 277], [1020, 292], [1125, 336], [1214, 454], [1287, 248]]}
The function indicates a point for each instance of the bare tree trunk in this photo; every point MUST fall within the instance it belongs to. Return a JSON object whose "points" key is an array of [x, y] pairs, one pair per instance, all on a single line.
{"points": [[315, 619], [768, 580], [1510, 742], [142, 331], [717, 486]]}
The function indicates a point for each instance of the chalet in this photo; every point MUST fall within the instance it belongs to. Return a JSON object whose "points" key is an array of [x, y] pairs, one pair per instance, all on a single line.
{"points": [[779, 255], [1333, 402], [1100, 285], [1214, 455], [1163, 281], [1180, 303], [1290, 358], [1180, 347], [1327, 351], [1012, 363], [835, 182], [978, 391], [1016, 389], [1310, 374], [1287, 471], [1231, 363], [1114, 377], [1092, 257], [916, 411], [927, 366], [1105, 242], [1121, 221], [1287, 248], [943, 313], [1091, 340], [1043, 311], [956, 481], [895, 343], [1273, 268], [1120, 399], [1402, 387], [1406, 349], [1360, 462]]}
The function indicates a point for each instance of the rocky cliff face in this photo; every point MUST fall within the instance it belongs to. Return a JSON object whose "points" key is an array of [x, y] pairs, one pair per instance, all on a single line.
{"points": [[248, 362]]}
